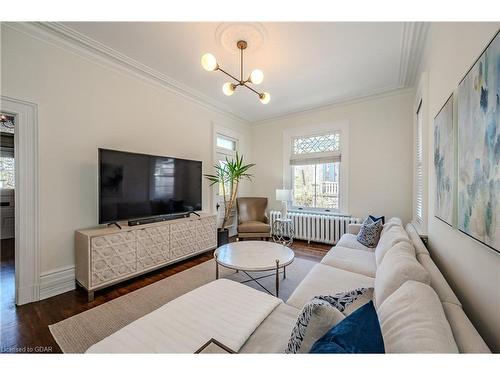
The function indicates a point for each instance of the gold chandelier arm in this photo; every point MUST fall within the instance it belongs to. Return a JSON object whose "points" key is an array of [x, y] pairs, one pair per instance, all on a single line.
{"points": [[230, 75], [248, 87], [241, 82]]}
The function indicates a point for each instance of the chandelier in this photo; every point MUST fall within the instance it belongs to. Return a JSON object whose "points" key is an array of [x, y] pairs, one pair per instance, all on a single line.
{"points": [[209, 63]]}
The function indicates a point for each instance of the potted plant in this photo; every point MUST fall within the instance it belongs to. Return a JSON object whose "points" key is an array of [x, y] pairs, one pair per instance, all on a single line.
{"points": [[228, 175]]}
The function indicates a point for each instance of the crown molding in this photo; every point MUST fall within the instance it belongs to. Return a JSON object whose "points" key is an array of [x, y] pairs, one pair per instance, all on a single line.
{"points": [[354, 99], [62, 36], [67, 38], [412, 47]]}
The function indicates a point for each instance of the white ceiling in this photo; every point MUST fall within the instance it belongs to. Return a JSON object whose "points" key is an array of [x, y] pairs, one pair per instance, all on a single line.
{"points": [[305, 65]]}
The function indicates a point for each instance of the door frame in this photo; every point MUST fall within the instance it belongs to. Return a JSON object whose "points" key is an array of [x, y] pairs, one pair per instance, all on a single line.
{"points": [[27, 219], [233, 135]]}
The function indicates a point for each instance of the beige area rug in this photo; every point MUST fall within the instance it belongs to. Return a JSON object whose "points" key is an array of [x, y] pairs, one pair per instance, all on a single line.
{"points": [[78, 333]]}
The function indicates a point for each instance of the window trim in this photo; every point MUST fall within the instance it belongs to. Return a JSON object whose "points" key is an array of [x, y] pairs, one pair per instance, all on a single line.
{"points": [[420, 107], [419, 167], [317, 129]]}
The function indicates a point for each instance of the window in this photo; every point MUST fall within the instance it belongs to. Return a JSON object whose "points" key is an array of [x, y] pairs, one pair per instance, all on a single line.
{"points": [[226, 148], [316, 143], [315, 171], [226, 143], [419, 169]]}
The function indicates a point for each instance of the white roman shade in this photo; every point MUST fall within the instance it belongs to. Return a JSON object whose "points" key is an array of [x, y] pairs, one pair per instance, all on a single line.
{"points": [[316, 149]]}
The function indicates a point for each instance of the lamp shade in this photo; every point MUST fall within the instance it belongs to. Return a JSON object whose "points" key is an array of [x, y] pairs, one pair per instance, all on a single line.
{"points": [[283, 195]]}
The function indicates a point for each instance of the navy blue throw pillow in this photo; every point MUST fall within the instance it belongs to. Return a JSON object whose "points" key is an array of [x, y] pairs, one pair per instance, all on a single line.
{"points": [[374, 218], [357, 333]]}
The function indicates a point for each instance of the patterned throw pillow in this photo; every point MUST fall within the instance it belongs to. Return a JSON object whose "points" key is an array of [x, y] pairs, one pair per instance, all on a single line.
{"points": [[369, 234], [374, 218], [318, 316]]}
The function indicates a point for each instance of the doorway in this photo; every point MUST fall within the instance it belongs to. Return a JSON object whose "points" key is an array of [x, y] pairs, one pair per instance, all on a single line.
{"points": [[226, 145], [19, 201], [7, 215]]}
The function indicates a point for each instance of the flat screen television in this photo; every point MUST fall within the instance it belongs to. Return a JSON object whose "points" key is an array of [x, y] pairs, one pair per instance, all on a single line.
{"points": [[134, 186]]}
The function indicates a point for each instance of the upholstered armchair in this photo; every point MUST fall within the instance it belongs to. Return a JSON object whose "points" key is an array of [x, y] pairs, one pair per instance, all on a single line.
{"points": [[252, 218]]}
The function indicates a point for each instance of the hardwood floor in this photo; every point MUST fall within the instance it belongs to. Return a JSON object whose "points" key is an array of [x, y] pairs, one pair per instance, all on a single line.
{"points": [[24, 329]]}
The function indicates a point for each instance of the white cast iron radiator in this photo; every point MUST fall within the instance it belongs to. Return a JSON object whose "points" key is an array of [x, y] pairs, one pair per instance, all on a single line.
{"points": [[317, 227]]}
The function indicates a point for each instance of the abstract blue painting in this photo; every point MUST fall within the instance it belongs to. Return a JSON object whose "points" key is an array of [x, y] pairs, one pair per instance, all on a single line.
{"points": [[479, 148], [444, 162]]}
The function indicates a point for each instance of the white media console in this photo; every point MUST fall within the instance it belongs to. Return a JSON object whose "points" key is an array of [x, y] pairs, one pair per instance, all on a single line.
{"points": [[108, 255]]}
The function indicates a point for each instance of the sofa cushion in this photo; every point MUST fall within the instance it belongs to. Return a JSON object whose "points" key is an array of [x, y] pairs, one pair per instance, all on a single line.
{"points": [[326, 280], [349, 240], [415, 238], [358, 333], [369, 234], [412, 320], [399, 265], [395, 220], [358, 261], [319, 315], [388, 239], [438, 282], [254, 227], [392, 222], [467, 338], [353, 228]]}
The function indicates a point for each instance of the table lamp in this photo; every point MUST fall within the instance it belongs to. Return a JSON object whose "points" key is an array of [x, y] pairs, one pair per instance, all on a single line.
{"points": [[284, 196]]}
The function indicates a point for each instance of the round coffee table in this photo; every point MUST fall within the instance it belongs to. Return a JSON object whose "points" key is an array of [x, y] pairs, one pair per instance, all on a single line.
{"points": [[254, 256]]}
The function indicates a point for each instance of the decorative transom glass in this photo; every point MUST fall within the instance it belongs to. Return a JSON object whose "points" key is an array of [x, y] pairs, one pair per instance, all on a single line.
{"points": [[7, 177], [227, 143], [8, 125], [316, 143]]}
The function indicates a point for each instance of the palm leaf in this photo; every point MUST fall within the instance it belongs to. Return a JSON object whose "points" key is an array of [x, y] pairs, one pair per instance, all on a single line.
{"points": [[230, 173]]}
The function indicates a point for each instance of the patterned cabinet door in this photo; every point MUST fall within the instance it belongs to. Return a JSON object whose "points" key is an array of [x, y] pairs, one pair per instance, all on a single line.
{"points": [[112, 257], [153, 246], [206, 233], [182, 239]]}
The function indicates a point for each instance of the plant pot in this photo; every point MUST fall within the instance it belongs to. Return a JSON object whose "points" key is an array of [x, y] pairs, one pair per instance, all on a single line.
{"points": [[222, 237]]}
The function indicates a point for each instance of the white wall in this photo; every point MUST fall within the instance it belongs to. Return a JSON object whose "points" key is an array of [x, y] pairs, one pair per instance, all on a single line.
{"points": [[83, 106], [380, 153], [472, 269]]}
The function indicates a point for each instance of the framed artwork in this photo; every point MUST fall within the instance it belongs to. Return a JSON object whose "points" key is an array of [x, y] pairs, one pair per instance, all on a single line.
{"points": [[479, 148], [444, 154]]}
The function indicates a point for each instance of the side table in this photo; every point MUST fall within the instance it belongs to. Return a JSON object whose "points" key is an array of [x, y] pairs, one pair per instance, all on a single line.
{"points": [[283, 231]]}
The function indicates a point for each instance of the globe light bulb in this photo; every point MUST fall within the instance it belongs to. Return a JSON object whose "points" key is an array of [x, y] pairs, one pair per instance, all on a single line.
{"points": [[265, 97], [257, 76], [208, 62], [228, 88]]}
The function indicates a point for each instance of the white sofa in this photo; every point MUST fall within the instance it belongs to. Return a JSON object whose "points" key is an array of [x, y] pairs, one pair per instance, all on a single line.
{"points": [[418, 311]]}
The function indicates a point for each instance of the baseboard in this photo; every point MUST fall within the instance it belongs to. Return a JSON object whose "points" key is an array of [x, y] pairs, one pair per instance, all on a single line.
{"points": [[57, 281]]}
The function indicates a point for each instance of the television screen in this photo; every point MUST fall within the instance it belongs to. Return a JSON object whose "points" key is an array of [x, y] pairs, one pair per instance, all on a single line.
{"points": [[133, 186]]}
